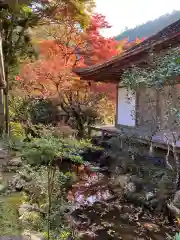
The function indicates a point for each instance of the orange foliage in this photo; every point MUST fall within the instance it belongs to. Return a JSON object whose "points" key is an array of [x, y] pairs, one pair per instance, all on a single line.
{"points": [[52, 75], [53, 72]]}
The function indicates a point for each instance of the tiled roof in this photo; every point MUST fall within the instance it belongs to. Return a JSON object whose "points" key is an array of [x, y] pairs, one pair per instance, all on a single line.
{"points": [[166, 35]]}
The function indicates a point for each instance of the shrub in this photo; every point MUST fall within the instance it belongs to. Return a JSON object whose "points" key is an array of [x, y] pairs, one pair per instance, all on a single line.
{"points": [[43, 111], [63, 131], [17, 131], [36, 131], [43, 150], [19, 108], [58, 202]]}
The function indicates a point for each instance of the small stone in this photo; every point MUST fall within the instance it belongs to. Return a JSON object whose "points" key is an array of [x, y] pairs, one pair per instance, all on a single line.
{"points": [[151, 227], [149, 196], [130, 188]]}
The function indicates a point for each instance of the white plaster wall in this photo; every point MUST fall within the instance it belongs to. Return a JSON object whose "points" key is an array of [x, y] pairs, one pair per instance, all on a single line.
{"points": [[126, 107]]}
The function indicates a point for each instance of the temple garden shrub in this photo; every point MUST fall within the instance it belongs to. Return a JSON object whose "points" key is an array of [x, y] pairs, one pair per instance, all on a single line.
{"points": [[17, 130], [17, 135], [36, 110], [43, 111], [36, 130], [46, 155], [49, 148], [19, 108], [56, 190]]}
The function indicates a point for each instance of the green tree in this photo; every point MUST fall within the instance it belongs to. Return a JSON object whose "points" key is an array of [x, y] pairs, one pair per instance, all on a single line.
{"points": [[18, 17]]}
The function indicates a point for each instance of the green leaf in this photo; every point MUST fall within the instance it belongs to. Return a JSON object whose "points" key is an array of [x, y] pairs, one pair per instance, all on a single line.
{"points": [[26, 9]]}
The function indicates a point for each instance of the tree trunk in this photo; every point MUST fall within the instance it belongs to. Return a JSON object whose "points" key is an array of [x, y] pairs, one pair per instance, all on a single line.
{"points": [[1, 111], [2, 82], [80, 125], [6, 102]]}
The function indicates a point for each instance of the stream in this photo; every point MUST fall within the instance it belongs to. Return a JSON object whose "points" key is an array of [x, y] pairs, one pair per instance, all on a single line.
{"points": [[99, 214]]}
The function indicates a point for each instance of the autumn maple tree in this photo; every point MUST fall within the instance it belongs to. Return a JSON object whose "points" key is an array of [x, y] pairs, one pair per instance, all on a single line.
{"points": [[52, 76], [18, 17]]}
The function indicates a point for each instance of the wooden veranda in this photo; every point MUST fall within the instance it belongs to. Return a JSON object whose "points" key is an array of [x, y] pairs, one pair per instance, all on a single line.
{"points": [[161, 139]]}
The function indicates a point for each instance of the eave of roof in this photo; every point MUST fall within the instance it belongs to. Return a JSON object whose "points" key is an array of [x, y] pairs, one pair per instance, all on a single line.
{"points": [[112, 69]]}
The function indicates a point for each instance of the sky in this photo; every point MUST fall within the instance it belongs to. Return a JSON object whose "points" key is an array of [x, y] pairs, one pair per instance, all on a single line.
{"points": [[122, 13]]}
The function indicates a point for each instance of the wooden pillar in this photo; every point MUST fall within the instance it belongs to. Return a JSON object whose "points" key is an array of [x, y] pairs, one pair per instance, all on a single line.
{"points": [[116, 114]]}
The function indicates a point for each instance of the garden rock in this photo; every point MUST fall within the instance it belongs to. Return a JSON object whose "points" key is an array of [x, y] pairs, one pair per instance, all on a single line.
{"points": [[149, 196], [25, 207], [27, 235], [2, 188], [130, 188], [79, 219], [174, 206], [25, 176], [138, 182], [121, 181], [15, 162], [1, 177], [88, 235], [3, 153], [17, 183], [176, 200], [30, 219]]}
